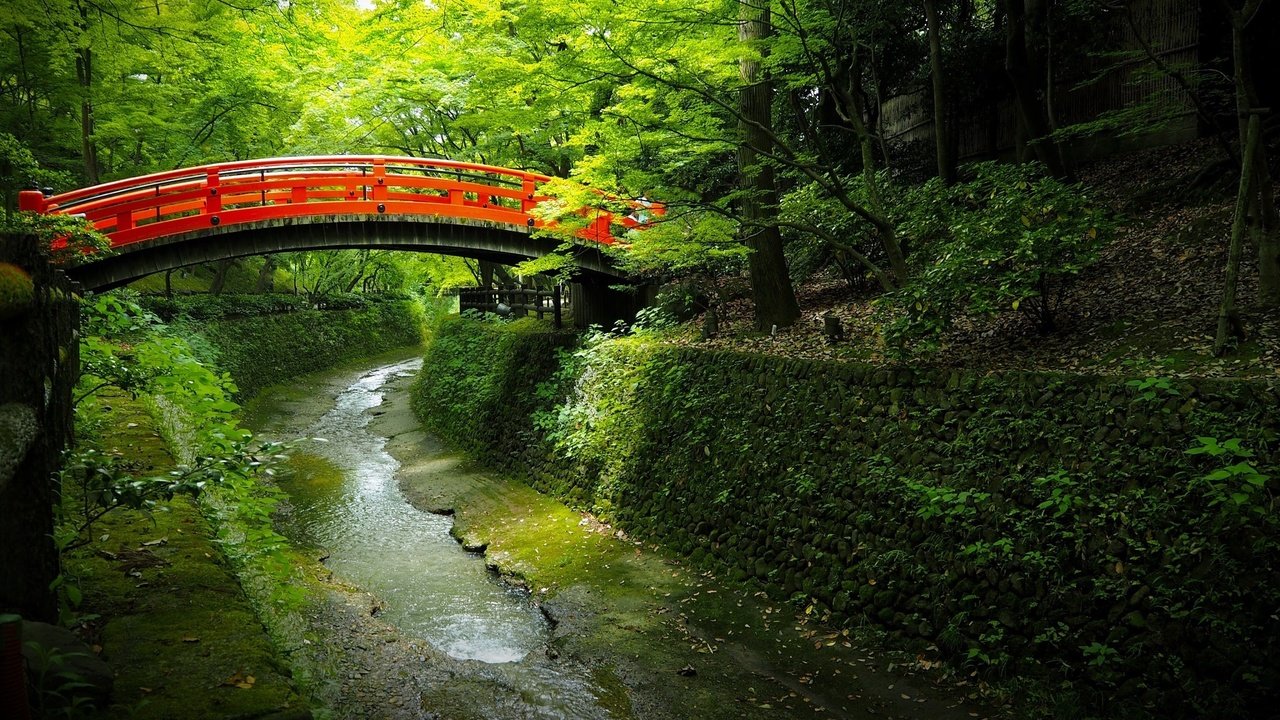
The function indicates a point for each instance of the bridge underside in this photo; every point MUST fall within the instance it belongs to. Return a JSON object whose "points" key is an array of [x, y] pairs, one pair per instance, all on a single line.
{"points": [[480, 239]]}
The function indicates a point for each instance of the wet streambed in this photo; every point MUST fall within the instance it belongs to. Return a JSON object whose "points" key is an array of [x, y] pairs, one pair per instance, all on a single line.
{"points": [[346, 504]]}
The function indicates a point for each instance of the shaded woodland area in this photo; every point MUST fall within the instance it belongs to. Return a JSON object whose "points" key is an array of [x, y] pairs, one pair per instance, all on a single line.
{"points": [[792, 141]]}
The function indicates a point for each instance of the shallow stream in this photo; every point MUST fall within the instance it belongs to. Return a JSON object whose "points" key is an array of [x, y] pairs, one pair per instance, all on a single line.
{"points": [[431, 587], [349, 508]]}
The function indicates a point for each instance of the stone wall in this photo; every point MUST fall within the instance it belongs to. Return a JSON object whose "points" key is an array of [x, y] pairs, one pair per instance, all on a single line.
{"points": [[1049, 525], [38, 369], [263, 350]]}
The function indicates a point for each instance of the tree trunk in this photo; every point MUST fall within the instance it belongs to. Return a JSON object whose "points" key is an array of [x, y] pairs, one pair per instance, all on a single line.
{"points": [[884, 228], [941, 131], [1264, 227], [266, 276], [220, 277], [1024, 64], [84, 76], [775, 300], [360, 271], [1229, 325]]}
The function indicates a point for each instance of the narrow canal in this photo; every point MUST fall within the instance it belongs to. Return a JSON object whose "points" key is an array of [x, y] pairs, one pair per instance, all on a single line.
{"points": [[431, 587], [348, 509]]}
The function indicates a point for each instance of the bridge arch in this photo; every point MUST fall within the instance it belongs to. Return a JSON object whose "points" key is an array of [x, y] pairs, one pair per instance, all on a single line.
{"points": [[479, 239]]}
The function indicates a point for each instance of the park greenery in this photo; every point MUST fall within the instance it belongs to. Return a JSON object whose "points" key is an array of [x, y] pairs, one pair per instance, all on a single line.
{"points": [[1130, 513], [761, 126]]}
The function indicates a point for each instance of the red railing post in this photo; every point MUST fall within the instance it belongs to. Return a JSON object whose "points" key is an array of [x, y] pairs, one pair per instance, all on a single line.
{"points": [[213, 201], [526, 201], [31, 201], [379, 179], [455, 196]]}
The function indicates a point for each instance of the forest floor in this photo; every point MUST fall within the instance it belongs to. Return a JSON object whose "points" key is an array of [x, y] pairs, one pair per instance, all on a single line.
{"points": [[1147, 307]]}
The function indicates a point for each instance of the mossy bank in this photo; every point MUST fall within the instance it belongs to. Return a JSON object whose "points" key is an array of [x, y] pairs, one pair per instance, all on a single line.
{"points": [[1048, 526], [182, 636], [280, 340]]}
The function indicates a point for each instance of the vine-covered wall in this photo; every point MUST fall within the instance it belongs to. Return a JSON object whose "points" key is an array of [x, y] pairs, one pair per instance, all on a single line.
{"points": [[1114, 538], [39, 362], [263, 350]]}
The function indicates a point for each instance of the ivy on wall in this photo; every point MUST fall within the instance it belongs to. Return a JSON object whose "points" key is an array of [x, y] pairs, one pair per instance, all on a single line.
{"points": [[1113, 535]]}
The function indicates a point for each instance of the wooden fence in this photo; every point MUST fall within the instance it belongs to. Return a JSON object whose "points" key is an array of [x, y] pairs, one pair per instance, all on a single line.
{"points": [[518, 302]]}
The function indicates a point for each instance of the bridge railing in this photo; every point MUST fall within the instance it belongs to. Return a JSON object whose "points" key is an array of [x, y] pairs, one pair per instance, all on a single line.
{"points": [[252, 191]]}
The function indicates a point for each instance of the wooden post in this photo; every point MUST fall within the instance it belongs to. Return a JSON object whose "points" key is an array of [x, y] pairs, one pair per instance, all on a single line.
{"points": [[555, 300]]}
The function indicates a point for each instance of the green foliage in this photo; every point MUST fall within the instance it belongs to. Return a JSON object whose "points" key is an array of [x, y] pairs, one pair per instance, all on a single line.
{"points": [[949, 504], [77, 241], [1238, 487], [128, 349], [228, 306], [1010, 239], [1153, 389], [1064, 493], [56, 687], [482, 386], [267, 349], [19, 170], [1052, 527]]}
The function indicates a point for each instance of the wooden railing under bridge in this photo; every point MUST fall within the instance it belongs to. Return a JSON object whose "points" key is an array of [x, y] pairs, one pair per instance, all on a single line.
{"points": [[518, 302]]}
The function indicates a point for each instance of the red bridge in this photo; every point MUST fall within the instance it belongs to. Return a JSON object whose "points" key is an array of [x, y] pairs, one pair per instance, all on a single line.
{"points": [[182, 217]]}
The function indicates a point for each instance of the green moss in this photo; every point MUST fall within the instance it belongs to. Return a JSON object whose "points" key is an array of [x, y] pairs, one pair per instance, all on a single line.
{"points": [[265, 350], [172, 620], [1044, 499], [17, 292]]}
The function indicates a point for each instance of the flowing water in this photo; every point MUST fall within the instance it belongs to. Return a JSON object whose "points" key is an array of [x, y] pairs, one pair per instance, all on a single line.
{"points": [[431, 587], [351, 507]]}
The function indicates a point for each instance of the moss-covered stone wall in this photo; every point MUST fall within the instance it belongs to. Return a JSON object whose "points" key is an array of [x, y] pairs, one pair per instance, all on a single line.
{"points": [[1053, 526], [263, 350]]}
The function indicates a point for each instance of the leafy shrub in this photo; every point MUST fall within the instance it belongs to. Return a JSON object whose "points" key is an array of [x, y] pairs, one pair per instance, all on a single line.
{"points": [[127, 348], [203, 306], [264, 350], [1010, 239]]}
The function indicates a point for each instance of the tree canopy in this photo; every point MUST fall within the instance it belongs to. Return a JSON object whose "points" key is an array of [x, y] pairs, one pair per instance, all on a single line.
{"points": [[761, 125]]}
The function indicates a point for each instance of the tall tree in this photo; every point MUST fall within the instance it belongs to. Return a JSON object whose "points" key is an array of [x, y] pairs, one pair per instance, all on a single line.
{"points": [[941, 132], [1263, 220], [775, 300], [1026, 64]]}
